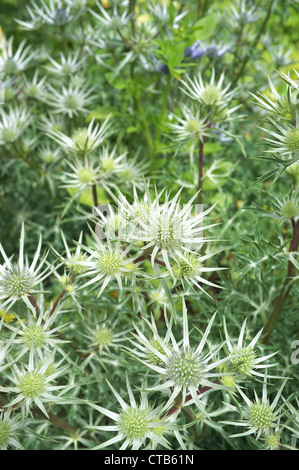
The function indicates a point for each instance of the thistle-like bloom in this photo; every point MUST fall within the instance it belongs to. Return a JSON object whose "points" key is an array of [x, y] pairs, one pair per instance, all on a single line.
{"points": [[108, 262], [68, 65], [190, 126], [37, 333], [160, 11], [247, 361], [19, 280], [72, 100], [241, 15], [84, 140], [112, 22], [213, 97], [280, 56], [72, 261], [102, 342], [286, 207], [32, 384], [135, 424], [191, 269], [13, 123], [181, 368], [84, 174], [132, 173], [12, 62], [9, 429], [282, 106], [34, 89], [111, 161], [165, 228], [53, 12], [284, 139], [259, 415], [48, 154], [292, 83]]}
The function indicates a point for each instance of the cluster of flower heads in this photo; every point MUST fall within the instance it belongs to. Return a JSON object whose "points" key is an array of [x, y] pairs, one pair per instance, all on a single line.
{"points": [[187, 373], [46, 118], [282, 114]]}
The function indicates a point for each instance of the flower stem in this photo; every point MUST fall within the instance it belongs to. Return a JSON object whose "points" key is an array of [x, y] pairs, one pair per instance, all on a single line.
{"points": [[95, 195], [164, 102], [200, 170], [286, 288]]}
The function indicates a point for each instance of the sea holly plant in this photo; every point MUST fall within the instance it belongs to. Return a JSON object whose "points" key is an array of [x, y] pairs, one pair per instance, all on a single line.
{"points": [[149, 231]]}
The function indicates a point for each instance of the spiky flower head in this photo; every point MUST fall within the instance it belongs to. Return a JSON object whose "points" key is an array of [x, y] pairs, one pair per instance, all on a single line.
{"points": [[68, 65], [247, 360], [83, 140], [107, 262], [181, 368], [113, 22], [260, 415], [165, 229], [72, 100], [284, 138], [286, 207], [12, 63], [54, 13], [38, 333], [13, 123], [135, 424], [191, 269], [189, 125], [33, 384], [73, 260], [9, 428], [20, 279], [280, 107], [242, 13], [213, 98]]}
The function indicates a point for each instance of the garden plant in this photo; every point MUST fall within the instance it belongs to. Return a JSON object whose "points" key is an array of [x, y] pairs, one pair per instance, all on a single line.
{"points": [[149, 225]]}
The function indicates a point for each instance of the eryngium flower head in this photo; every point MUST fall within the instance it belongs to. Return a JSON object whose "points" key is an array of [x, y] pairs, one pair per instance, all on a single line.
{"points": [[38, 333], [84, 140], [13, 123], [181, 368], [212, 97], [285, 207], [19, 280], [135, 424], [72, 100], [260, 416], [248, 361], [71, 260], [165, 229], [68, 65], [281, 107], [241, 14], [190, 126], [33, 384], [13, 63], [9, 428], [53, 12], [191, 270], [284, 138], [107, 262]]}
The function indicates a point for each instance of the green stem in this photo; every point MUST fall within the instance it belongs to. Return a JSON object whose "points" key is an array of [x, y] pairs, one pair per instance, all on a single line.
{"points": [[200, 170], [164, 102], [254, 44], [147, 133], [286, 288]]}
